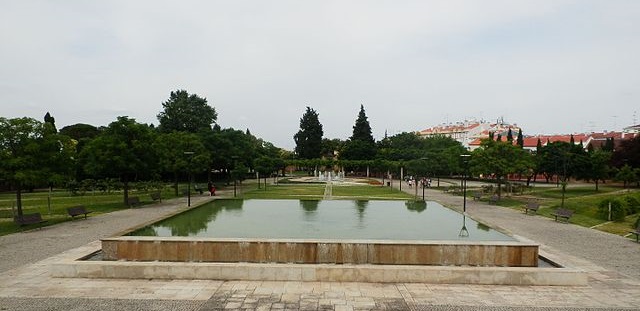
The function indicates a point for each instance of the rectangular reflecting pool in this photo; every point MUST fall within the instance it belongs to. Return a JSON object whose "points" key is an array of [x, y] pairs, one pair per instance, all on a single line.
{"points": [[322, 232], [330, 219]]}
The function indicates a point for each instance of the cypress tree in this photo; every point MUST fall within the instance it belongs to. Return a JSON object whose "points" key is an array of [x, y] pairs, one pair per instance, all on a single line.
{"points": [[499, 137], [509, 136], [572, 140], [309, 138], [539, 145], [520, 140], [361, 145]]}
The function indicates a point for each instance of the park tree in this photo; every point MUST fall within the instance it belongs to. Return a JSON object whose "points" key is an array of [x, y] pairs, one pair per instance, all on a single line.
{"points": [[510, 135], [309, 138], [627, 153], [50, 123], [598, 169], [520, 139], [31, 155], [80, 131], [330, 146], [123, 150], [361, 145], [170, 149], [627, 175], [184, 112], [499, 159]]}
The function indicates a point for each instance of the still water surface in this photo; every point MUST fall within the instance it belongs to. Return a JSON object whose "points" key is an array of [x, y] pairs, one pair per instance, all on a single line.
{"points": [[330, 219]]}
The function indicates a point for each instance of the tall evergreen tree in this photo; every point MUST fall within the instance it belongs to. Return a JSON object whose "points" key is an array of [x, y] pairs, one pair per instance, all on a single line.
{"points": [[50, 122], [309, 138], [520, 139], [499, 137], [538, 145], [361, 145], [362, 129], [572, 140], [509, 136]]}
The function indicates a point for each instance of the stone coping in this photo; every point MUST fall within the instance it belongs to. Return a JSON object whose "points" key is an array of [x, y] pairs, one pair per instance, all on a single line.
{"points": [[333, 241], [74, 267]]}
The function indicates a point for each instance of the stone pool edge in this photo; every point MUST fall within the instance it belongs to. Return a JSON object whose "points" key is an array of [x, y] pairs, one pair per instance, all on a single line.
{"points": [[71, 266]]}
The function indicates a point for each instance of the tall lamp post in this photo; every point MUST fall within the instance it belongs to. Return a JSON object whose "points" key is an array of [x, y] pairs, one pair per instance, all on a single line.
{"points": [[465, 162], [234, 177], [190, 155]]}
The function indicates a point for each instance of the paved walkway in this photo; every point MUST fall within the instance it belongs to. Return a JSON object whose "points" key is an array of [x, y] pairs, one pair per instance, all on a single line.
{"points": [[612, 263]]}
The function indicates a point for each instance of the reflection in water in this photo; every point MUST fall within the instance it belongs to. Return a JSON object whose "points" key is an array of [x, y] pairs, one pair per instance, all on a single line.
{"points": [[464, 233], [483, 227], [328, 219], [309, 206], [195, 221], [416, 206]]}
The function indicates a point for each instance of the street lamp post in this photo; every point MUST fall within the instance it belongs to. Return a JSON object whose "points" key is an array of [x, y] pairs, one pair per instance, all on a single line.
{"points": [[465, 162], [190, 155], [234, 177]]}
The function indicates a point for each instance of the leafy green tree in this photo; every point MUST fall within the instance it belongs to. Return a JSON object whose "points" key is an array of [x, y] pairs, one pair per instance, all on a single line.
{"points": [[609, 145], [123, 150], [31, 155], [627, 153], [626, 175], [309, 138], [186, 113], [80, 131], [361, 145], [330, 146], [499, 159], [170, 149], [264, 166], [598, 169]]}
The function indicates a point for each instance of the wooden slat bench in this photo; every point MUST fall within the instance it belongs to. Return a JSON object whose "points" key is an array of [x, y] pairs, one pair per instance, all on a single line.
{"points": [[563, 213], [531, 206], [133, 201], [29, 219], [637, 233], [494, 199], [77, 211], [155, 196]]}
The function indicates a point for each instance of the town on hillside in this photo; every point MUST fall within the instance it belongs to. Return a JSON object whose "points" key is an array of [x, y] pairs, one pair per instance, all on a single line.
{"points": [[470, 133]]}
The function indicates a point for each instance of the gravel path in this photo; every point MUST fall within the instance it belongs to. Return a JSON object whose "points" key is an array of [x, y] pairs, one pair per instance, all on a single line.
{"points": [[607, 250], [34, 245]]}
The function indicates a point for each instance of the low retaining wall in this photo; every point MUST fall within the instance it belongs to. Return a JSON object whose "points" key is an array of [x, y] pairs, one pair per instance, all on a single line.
{"points": [[440, 253]]}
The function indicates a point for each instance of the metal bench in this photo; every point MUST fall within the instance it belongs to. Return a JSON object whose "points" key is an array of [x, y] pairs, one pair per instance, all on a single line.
{"points": [[531, 206], [29, 219], [155, 196], [133, 201], [477, 196], [636, 232], [494, 199], [77, 211], [563, 213]]}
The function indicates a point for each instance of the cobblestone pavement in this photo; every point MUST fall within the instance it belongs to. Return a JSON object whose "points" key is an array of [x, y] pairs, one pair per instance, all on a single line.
{"points": [[614, 282]]}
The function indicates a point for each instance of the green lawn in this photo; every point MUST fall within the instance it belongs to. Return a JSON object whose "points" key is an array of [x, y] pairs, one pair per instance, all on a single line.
{"points": [[583, 200], [38, 202], [316, 191]]}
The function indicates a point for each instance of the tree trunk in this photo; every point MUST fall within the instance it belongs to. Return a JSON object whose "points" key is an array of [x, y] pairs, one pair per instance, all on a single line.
{"points": [[499, 186], [19, 200], [175, 183], [125, 184], [596, 184]]}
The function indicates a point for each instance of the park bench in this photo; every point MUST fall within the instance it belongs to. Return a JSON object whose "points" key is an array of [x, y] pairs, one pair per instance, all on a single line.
{"points": [[477, 196], [563, 213], [494, 199], [636, 232], [29, 219], [133, 201], [531, 206], [77, 211], [155, 196]]}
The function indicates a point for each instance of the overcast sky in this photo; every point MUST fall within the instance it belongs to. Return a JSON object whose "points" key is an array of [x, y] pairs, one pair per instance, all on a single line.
{"points": [[549, 66]]}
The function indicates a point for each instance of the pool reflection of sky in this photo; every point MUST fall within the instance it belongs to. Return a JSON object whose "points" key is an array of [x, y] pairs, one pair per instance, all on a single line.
{"points": [[331, 219]]}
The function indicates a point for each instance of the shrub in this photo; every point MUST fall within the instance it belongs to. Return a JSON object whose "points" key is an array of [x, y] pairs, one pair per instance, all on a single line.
{"points": [[632, 204], [617, 210]]}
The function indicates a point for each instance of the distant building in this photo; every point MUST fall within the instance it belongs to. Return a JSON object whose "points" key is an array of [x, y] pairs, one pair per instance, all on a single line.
{"points": [[468, 131], [596, 140]]}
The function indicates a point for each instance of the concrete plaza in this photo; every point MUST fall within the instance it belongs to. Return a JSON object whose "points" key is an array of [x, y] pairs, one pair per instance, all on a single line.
{"points": [[612, 264]]}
